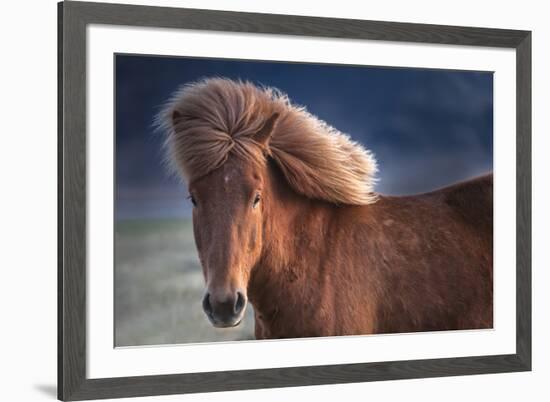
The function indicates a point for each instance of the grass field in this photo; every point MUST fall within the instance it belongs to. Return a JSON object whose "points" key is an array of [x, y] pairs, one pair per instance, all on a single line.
{"points": [[159, 287]]}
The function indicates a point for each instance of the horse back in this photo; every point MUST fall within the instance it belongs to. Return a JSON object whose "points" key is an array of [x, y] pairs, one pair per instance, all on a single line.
{"points": [[426, 259], [472, 201]]}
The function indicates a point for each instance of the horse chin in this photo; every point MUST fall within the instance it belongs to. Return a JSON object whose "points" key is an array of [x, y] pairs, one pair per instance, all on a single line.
{"points": [[225, 324]]}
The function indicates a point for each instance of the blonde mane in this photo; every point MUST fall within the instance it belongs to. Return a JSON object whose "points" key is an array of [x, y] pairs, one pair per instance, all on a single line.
{"points": [[218, 117]]}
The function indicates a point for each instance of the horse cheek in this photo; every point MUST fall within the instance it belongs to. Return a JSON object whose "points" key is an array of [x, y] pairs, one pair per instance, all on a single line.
{"points": [[198, 245], [255, 243], [252, 240], [196, 235]]}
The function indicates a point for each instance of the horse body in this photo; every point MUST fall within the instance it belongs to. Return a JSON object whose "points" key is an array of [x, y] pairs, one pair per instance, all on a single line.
{"points": [[285, 216], [402, 264]]}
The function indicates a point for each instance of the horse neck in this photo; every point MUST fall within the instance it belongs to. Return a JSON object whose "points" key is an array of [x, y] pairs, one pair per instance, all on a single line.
{"points": [[294, 229]]}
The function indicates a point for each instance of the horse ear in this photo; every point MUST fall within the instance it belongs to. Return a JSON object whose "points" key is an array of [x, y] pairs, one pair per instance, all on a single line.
{"points": [[263, 136], [176, 116]]}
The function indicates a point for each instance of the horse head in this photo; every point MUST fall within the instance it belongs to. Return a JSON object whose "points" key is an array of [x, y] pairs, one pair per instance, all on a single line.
{"points": [[228, 206]]}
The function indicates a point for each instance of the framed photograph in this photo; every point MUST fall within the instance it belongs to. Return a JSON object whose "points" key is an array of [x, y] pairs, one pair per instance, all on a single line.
{"points": [[256, 201]]}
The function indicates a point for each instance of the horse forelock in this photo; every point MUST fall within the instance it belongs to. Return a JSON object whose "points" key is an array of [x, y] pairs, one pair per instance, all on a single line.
{"points": [[219, 117]]}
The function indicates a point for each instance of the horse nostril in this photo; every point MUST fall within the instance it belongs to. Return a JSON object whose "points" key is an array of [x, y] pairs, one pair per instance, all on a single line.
{"points": [[206, 306], [239, 303]]}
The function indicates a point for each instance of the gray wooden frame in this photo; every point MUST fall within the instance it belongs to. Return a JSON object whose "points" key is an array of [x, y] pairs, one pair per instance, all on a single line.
{"points": [[73, 17]]}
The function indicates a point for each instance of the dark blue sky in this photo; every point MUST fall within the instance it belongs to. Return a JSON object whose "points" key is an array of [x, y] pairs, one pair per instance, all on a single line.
{"points": [[427, 128]]}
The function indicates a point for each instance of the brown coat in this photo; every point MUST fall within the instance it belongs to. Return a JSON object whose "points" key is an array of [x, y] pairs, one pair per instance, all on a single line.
{"points": [[402, 264]]}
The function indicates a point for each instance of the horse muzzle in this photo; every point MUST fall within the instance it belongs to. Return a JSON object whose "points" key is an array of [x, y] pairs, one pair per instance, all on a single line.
{"points": [[225, 310]]}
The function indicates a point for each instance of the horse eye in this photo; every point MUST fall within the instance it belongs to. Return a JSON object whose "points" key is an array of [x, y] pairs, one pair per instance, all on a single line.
{"points": [[192, 200], [256, 201]]}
